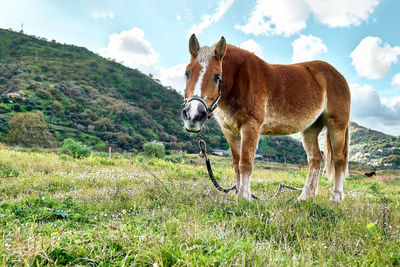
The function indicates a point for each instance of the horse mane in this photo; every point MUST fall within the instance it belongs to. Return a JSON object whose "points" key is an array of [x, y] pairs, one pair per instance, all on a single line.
{"points": [[205, 53]]}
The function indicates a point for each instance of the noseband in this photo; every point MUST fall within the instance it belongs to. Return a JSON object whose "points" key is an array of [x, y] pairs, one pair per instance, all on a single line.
{"points": [[211, 108]]}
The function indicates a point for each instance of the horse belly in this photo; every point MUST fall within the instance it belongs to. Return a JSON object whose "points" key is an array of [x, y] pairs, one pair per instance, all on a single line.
{"points": [[276, 123]]}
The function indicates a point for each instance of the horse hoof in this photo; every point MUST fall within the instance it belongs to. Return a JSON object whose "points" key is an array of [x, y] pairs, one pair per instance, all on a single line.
{"points": [[303, 196], [337, 197], [307, 193], [244, 195]]}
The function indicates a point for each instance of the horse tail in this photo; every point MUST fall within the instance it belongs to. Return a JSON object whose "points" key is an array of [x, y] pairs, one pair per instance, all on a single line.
{"points": [[346, 151], [329, 163]]}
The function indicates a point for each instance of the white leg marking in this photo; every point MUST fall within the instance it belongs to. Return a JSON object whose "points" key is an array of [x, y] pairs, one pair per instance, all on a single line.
{"points": [[310, 189], [244, 189], [337, 194]]}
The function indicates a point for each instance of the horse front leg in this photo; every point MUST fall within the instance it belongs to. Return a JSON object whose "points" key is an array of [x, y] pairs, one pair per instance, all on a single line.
{"points": [[234, 144], [249, 140]]}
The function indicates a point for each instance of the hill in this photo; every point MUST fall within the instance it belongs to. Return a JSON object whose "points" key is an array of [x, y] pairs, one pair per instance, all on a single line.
{"points": [[374, 148], [369, 147], [101, 102], [89, 98]]}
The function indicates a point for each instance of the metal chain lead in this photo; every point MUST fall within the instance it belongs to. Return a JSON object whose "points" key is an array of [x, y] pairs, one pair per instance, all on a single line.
{"points": [[203, 154]]}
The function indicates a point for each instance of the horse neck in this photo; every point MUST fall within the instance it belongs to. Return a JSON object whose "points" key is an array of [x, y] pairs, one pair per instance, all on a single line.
{"points": [[235, 71]]}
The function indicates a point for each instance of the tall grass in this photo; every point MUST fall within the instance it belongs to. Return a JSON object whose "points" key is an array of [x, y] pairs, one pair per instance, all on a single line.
{"points": [[60, 210]]}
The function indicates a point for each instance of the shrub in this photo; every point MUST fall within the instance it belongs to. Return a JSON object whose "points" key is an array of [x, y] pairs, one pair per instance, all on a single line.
{"points": [[29, 130], [43, 94], [74, 148], [56, 105], [154, 149]]}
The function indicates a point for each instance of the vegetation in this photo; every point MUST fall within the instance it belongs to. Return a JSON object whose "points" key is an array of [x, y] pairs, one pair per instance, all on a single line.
{"points": [[58, 210], [29, 130], [374, 148], [281, 149], [99, 102], [88, 98], [75, 149], [154, 149]]}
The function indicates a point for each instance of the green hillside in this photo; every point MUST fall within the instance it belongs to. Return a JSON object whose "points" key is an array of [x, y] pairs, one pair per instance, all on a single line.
{"points": [[369, 147], [101, 102], [89, 98], [374, 148]]}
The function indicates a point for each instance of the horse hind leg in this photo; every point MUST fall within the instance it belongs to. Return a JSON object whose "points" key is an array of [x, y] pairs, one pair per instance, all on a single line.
{"points": [[337, 159], [314, 158]]}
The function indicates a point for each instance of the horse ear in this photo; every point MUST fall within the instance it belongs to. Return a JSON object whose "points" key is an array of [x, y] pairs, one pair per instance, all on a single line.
{"points": [[193, 45], [220, 49]]}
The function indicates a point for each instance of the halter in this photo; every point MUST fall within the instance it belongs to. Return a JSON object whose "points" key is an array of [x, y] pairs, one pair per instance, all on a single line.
{"points": [[211, 108]]}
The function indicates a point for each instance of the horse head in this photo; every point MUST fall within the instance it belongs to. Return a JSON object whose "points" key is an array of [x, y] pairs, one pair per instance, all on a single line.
{"points": [[203, 83]]}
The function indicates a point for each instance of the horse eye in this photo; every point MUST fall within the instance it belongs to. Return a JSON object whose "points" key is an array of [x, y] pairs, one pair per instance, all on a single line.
{"points": [[217, 78], [187, 74]]}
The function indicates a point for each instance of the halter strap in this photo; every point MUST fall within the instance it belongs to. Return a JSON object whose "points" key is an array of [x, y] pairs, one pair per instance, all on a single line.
{"points": [[213, 106]]}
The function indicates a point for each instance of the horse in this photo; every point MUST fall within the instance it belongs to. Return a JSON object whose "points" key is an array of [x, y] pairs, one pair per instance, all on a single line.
{"points": [[251, 97], [370, 174]]}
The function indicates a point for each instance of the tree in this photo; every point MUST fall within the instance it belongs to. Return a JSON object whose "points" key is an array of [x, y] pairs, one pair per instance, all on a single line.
{"points": [[29, 130], [154, 149], [75, 149]]}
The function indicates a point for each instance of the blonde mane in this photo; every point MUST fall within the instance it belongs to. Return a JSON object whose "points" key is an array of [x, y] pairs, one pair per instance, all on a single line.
{"points": [[205, 54]]}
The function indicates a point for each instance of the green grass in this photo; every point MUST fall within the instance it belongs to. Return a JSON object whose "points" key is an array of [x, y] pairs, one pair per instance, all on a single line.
{"points": [[56, 210]]}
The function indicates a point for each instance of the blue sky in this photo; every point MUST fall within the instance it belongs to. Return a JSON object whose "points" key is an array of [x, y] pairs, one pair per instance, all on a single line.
{"points": [[361, 38]]}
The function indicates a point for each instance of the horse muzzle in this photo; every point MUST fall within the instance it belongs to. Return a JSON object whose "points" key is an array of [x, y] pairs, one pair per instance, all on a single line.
{"points": [[194, 114]]}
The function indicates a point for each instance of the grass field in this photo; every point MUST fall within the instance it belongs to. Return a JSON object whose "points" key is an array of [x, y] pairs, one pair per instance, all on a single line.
{"points": [[95, 211]]}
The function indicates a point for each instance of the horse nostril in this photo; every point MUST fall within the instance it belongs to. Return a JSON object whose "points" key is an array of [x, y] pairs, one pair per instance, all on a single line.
{"points": [[185, 115], [201, 116]]}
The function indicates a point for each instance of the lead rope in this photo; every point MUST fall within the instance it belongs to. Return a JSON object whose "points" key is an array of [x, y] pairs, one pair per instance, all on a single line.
{"points": [[203, 154]]}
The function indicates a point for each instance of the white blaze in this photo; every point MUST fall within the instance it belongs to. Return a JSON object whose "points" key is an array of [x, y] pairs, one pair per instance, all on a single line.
{"points": [[204, 56], [197, 90]]}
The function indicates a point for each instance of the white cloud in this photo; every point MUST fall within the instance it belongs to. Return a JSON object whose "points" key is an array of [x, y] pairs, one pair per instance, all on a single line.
{"points": [[396, 79], [207, 20], [372, 60], [173, 76], [307, 48], [342, 13], [371, 111], [178, 18], [288, 17], [102, 14], [132, 49], [252, 46], [270, 17]]}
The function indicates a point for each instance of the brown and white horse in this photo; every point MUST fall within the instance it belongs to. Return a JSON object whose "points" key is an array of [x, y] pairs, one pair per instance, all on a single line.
{"points": [[257, 98]]}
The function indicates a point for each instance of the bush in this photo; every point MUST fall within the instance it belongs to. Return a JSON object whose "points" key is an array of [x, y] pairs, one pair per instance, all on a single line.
{"points": [[154, 149], [43, 94], [29, 130], [75, 149]]}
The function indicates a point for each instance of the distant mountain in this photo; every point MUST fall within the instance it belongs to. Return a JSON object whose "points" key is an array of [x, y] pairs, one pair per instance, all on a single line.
{"points": [[369, 147], [374, 148]]}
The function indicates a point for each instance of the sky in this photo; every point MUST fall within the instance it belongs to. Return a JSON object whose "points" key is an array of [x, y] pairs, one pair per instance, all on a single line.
{"points": [[361, 38]]}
